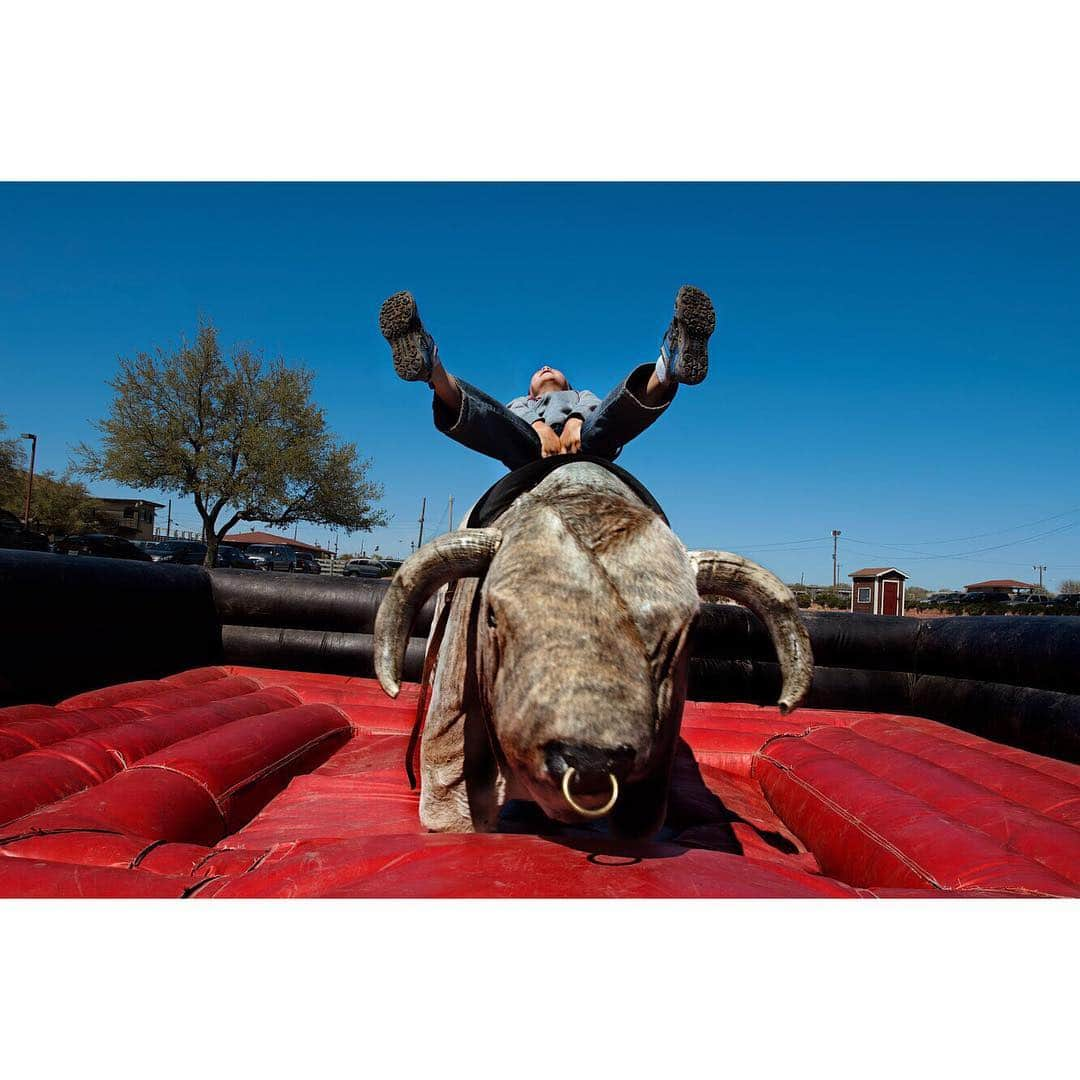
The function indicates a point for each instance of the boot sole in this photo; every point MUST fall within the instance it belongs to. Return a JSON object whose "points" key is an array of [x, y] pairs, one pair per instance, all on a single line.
{"points": [[696, 318], [399, 322]]}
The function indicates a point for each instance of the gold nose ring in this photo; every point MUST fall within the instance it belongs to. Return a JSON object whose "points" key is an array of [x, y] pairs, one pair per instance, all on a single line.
{"points": [[605, 809]]}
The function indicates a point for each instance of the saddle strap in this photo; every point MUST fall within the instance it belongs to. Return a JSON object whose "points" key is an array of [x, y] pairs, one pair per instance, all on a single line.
{"points": [[412, 753]]}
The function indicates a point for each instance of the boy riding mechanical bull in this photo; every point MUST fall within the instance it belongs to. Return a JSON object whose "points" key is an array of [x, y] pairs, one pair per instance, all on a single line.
{"points": [[552, 418], [561, 649]]}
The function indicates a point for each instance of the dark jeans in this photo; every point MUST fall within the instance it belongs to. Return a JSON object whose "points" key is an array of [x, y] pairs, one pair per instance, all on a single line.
{"points": [[484, 425]]}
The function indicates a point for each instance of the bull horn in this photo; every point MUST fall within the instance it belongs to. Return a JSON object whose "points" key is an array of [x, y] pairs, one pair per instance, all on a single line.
{"points": [[772, 601], [464, 553]]}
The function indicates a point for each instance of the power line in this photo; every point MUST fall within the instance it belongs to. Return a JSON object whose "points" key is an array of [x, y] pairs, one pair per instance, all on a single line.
{"points": [[912, 553], [993, 532], [783, 543], [776, 543], [762, 545]]}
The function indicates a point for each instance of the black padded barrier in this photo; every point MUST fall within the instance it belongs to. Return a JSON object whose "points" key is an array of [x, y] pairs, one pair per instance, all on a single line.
{"points": [[304, 601], [1013, 679], [69, 624], [73, 623], [329, 651]]}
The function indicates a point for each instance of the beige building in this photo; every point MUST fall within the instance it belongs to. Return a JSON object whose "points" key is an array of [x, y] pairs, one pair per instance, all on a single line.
{"points": [[132, 519]]}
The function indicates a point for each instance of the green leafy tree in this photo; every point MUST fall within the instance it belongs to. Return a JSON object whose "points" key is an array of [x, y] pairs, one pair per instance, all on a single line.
{"points": [[59, 504], [12, 476], [241, 436]]}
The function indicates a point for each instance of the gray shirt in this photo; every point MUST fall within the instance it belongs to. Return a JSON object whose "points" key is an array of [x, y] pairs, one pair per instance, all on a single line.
{"points": [[556, 407]]}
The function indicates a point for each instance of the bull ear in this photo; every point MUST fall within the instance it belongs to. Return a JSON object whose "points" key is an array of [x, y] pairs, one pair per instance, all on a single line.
{"points": [[739, 579], [465, 553]]}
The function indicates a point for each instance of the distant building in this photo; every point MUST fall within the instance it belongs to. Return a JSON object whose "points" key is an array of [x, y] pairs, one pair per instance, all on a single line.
{"points": [[243, 539], [131, 518], [878, 590], [1005, 586]]}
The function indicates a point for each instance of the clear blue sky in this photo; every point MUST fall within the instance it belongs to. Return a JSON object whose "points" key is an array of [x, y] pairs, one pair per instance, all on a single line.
{"points": [[898, 361]]}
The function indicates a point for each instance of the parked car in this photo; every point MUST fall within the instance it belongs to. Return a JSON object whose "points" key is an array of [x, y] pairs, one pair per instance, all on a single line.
{"points": [[102, 545], [946, 599], [306, 564], [193, 553], [272, 556], [369, 568], [936, 599], [984, 598], [234, 558], [13, 535], [1039, 600], [188, 552], [392, 564]]}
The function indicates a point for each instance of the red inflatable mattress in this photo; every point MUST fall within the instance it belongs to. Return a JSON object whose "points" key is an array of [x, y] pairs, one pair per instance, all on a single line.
{"points": [[248, 782]]}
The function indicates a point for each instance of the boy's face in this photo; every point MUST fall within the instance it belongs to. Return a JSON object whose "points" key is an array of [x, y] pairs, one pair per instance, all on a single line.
{"points": [[546, 380]]}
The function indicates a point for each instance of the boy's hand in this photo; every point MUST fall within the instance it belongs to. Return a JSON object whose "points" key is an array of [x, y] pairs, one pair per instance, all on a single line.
{"points": [[570, 442], [549, 441]]}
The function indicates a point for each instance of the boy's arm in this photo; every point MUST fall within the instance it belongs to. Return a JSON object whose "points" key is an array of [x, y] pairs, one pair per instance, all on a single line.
{"points": [[570, 440], [549, 441]]}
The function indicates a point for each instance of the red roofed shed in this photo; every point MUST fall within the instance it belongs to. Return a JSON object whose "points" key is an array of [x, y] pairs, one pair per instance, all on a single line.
{"points": [[878, 590]]}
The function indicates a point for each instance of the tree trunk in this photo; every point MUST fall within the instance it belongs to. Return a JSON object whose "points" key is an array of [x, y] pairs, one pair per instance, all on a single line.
{"points": [[212, 542]]}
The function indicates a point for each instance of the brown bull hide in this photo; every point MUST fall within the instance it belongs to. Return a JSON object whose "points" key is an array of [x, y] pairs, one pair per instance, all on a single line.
{"points": [[570, 650]]}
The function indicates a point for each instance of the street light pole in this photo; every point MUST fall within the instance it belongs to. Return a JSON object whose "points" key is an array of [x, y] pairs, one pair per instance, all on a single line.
{"points": [[30, 476]]}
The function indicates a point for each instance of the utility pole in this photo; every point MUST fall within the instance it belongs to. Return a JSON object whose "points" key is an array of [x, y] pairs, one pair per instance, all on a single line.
{"points": [[168, 522], [30, 476], [835, 568], [423, 507], [1040, 569], [450, 516]]}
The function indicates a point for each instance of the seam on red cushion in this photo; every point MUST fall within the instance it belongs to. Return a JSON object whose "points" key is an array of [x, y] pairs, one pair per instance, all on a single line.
{"points": [[1036, 774], [1013, 755], [33, 834], [282, 761], [857, 823], [763, 748], [96, 780], [998, 758], [209, 855], [1004, 844], [191, 890], [30, 744], [258, 862], [187, 776]]}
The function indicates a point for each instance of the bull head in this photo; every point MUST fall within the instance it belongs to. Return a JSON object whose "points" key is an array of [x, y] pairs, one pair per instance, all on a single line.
{"points": [[582, 627]]}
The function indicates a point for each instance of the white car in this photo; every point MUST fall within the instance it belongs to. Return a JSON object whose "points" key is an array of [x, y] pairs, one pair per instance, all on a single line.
{"points": [[365, 568]]}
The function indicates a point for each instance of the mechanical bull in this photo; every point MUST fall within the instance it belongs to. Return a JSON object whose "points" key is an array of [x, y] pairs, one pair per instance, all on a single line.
{"points": [[562, 668]]}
